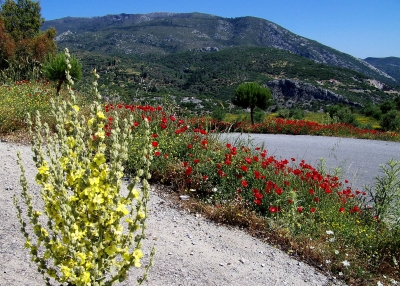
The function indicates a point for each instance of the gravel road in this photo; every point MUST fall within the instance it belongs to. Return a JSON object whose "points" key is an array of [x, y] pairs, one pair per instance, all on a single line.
{"points": [[358, 159], [190, 249]]}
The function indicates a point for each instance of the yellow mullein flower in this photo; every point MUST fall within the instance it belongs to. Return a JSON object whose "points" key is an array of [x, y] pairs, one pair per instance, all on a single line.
{"points": [[98, 199], [141, 215], [100, 134], [94, 181], [64, 161], [99, 159], [122, 208], [72, 198], [85, 278], [110, 250], [137, 254], [90, 122], [81, 258], [100, 115], [71, 142], [76, 107], [119, 230], [66, 271], [44, 169]]}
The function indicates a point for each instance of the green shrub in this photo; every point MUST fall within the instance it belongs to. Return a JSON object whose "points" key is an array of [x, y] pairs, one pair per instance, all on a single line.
{"points": [[390, 121]]}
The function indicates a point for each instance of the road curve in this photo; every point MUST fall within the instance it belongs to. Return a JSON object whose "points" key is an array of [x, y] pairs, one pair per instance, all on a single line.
{"points": [[358, 159]]}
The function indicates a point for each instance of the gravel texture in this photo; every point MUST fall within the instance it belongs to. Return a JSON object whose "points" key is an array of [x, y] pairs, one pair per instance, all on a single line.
{"points": [[190, 250]]}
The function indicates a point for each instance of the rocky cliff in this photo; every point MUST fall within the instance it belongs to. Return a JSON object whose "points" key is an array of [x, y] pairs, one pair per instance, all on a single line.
{"points": [[287, 92]]}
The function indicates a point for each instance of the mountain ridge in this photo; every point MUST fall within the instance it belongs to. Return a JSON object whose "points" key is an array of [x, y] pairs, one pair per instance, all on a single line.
{"points": [[163, 32]]}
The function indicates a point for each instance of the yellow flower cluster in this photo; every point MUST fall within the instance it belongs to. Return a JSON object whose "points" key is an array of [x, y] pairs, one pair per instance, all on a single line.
{"points": [[92, 228]]}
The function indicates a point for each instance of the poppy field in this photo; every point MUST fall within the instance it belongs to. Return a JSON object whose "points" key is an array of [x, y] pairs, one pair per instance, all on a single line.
{"points": [[317, 216]]}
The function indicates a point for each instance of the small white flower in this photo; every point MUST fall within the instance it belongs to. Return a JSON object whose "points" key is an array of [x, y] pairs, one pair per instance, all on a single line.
{"points": [[214, 189], [340, 273], [379, 283], [336, 251], [329, 232], [346, 263], [327, 261], [332, 239], [312, 247]]}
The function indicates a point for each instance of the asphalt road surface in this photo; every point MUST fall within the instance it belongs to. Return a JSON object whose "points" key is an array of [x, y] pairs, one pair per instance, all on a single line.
{"points": [[358, 159]]}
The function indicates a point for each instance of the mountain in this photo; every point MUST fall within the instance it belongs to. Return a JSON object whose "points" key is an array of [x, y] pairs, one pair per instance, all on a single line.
{"points": [[180, 32], [389, 65], [199, 59]]}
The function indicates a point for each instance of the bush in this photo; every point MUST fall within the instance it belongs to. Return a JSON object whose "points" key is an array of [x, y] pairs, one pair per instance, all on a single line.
{"points": [[390, 121], [343, 113], [387, 106], [372, 110], [218, 114]]}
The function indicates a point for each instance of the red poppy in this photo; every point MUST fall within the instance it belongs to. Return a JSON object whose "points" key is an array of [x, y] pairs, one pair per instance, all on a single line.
{"points": [[189, 146], [154, 135], [244, 183], [136, 124], [313, 210], [316, 199], [196, 161], [154, 143], [244, 168], [248, 160], [157, 153], [188, 170], [274, 209], [257, 201], [279, 191], [300, 209], [341, 210]]}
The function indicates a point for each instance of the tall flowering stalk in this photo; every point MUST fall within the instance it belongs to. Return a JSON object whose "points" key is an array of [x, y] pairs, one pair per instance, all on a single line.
{"points": [[89, 232]]}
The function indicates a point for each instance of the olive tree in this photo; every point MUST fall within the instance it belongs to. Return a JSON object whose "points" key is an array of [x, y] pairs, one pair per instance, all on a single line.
{"points": [[252, 95]]}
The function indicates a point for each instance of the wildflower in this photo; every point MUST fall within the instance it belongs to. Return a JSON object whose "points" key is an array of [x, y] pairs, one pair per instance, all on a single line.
{"points": [[300, 209], [188, 170], [346, 263], [329, 232], [274, 209]]}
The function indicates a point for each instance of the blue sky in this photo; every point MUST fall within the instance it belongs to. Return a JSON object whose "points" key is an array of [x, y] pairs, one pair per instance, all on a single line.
{"points": [[362, 28]]}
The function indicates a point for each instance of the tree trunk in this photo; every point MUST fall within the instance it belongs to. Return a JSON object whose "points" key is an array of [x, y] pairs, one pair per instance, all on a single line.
{"points": [[252, 115], [60, 82]]}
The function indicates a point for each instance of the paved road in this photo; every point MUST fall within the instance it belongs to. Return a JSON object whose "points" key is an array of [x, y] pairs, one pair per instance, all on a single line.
{"points": [[359, 159]]}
